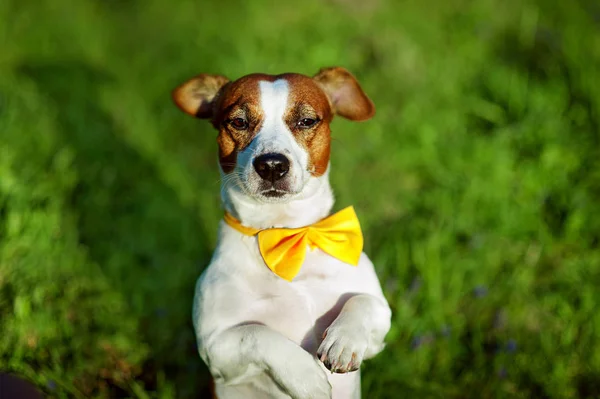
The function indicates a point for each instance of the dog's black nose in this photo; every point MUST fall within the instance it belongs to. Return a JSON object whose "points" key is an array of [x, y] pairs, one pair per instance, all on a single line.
{"points": [[271, 167]]}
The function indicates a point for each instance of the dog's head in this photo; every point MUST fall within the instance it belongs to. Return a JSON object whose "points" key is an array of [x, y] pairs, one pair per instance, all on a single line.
{"points": [[274, 130]]}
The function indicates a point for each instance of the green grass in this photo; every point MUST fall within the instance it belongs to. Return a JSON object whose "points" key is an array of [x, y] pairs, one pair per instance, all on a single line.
{"points": [[477, 184]]}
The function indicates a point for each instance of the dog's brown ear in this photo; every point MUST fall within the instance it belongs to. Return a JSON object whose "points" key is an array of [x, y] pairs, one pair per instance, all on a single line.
{"points": [[196, 96], [345, 94]]}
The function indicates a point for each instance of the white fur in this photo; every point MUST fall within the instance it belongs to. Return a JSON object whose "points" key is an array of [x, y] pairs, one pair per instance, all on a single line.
{"points": [[259, 334]]}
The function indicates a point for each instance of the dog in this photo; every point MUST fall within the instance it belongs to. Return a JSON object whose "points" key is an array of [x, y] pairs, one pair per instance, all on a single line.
{"points": [[294, 316]]}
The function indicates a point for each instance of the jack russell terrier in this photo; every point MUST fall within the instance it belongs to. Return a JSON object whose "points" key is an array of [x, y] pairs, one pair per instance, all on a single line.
{"points": [[289, 306]]}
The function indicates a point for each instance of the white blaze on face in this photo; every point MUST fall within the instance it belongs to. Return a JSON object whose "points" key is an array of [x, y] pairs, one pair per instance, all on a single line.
{"points": [[273, 101], [275, 137]]}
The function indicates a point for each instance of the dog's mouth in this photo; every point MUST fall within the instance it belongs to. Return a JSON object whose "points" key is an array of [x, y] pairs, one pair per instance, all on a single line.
{"points": [[273, 193]]}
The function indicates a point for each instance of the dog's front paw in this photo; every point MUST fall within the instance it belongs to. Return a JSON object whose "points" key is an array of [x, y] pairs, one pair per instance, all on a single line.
{"points": [[343, 347]]}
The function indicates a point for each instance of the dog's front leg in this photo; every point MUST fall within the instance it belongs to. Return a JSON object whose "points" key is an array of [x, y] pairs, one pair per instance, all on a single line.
{"points": [[238, 354], [356, 334]]}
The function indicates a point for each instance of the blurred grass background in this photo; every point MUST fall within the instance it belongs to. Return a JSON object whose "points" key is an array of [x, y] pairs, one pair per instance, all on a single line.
{"points": [[477, 184]]}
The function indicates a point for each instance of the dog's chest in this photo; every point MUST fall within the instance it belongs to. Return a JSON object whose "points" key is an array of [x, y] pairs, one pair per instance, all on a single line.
{"points": [[238, 288], [303, 308]]}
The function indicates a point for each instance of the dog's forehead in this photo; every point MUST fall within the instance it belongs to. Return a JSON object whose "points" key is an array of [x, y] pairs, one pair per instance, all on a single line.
{"points": [[298, 87]]}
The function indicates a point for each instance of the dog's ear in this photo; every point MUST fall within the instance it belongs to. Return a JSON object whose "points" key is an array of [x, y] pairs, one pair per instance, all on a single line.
{"points": [[196, 96], [345, 94]]}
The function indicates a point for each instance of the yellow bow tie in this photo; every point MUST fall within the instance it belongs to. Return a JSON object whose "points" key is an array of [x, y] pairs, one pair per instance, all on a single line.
{"points": [[283, 250]]}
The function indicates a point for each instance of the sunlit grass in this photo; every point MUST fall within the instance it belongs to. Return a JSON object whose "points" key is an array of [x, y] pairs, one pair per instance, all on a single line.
{"points": [[477, 184]]}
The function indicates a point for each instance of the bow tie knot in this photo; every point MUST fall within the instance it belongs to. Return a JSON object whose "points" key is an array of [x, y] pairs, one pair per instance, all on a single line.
{"points": [[284, 250]]}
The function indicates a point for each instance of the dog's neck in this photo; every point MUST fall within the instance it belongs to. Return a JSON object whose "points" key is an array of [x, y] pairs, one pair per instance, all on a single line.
{"points": [[313, 204]]}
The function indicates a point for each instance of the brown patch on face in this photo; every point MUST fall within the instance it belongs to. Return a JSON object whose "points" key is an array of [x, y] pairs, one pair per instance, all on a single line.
{"points": [[239, 101], [307, 102]]}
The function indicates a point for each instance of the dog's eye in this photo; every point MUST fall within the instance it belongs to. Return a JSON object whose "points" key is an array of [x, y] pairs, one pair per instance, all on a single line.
{"points": [[306, 122], [239, 123]]}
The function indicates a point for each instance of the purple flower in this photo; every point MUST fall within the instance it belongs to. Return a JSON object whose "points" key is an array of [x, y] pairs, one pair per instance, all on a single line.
{"points": [[415, 285], [502, 373], [511, 346], [416, 342], [420, 340], [51, 385], [446, 331], [480, 291]]}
